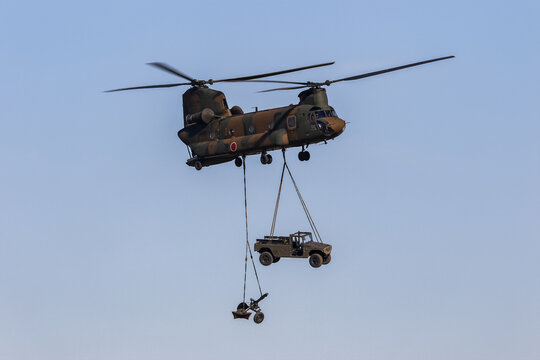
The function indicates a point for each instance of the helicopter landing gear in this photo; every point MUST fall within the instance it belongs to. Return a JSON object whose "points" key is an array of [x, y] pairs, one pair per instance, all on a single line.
{"points": [[266, 159], [304, 155], [198, 165], [238, 161]]}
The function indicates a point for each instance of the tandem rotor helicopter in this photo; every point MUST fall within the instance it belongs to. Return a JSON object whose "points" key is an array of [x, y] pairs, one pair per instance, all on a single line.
{"points": [[215, 134]]}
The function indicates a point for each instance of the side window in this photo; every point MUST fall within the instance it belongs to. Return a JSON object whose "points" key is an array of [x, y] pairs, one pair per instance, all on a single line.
{"points": [[291, 122]]}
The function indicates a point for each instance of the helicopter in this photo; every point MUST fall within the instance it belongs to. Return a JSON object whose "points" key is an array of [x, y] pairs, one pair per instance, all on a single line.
{"points": [[215, 133]]}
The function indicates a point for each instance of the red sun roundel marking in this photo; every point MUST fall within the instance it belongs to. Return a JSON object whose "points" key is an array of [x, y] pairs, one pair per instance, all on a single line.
{"points": [[233, 146]]}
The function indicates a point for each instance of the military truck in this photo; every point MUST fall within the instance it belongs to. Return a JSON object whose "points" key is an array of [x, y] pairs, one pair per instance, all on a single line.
{"points": [[297, 245]]}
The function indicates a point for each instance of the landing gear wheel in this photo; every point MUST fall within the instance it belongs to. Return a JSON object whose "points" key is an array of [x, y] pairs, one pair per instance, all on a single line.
{"points": [[327, 260], [259, 317], [276, 259], [263, 159], [242, 306], [238, 162], [303, 155], [266, 258], [315, 260], [198, 165], [268, 159]]}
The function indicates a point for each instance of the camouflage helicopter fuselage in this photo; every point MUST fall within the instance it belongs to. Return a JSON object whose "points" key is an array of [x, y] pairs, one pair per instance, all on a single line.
{"points": [[217, 134]]}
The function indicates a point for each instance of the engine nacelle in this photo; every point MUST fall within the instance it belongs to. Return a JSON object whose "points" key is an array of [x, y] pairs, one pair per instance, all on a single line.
{"points": [[202, 117], [237, 110]]}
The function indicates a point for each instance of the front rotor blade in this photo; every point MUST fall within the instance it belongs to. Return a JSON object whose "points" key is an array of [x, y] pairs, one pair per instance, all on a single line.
{"points": [[251, 77], [171, 70], [284, 88], [390, 69], [149, 87]]}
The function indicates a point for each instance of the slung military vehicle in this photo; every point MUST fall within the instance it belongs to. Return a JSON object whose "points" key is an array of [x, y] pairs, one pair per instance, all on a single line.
{"points": [[297, 245], [216, 134]]}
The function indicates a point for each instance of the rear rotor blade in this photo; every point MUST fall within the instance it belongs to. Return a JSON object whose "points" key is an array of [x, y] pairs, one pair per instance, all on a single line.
{"points": [[149, 87], [170, 69], [390, 69], [251, 77], [284, 88], [279, 82]]}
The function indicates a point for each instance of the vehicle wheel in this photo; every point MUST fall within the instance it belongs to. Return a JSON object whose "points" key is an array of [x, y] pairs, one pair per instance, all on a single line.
{"points": [[242, 306], [306, 155], [268, 159], [198, 165], [315, 260], [259, 317], [326, 260], [266, 258], [276, 259], [238, 161], [301, 156], [263, 159]]}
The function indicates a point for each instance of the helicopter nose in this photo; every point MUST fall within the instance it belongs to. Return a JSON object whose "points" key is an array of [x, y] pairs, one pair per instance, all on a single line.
{"points": [[336, 124]]}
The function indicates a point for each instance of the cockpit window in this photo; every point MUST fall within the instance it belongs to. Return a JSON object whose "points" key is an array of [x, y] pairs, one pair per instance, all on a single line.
{"points": [[330, 113], [324, 114]]}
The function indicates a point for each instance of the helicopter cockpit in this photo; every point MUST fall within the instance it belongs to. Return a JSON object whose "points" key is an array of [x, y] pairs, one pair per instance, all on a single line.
{"points": [[318, 119]]}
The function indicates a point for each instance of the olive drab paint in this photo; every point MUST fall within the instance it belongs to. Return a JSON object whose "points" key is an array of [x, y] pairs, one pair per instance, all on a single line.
{"points": [[229, 135]]}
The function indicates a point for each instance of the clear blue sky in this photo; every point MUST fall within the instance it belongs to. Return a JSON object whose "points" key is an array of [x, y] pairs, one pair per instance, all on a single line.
{"points": [[112, 248]]}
